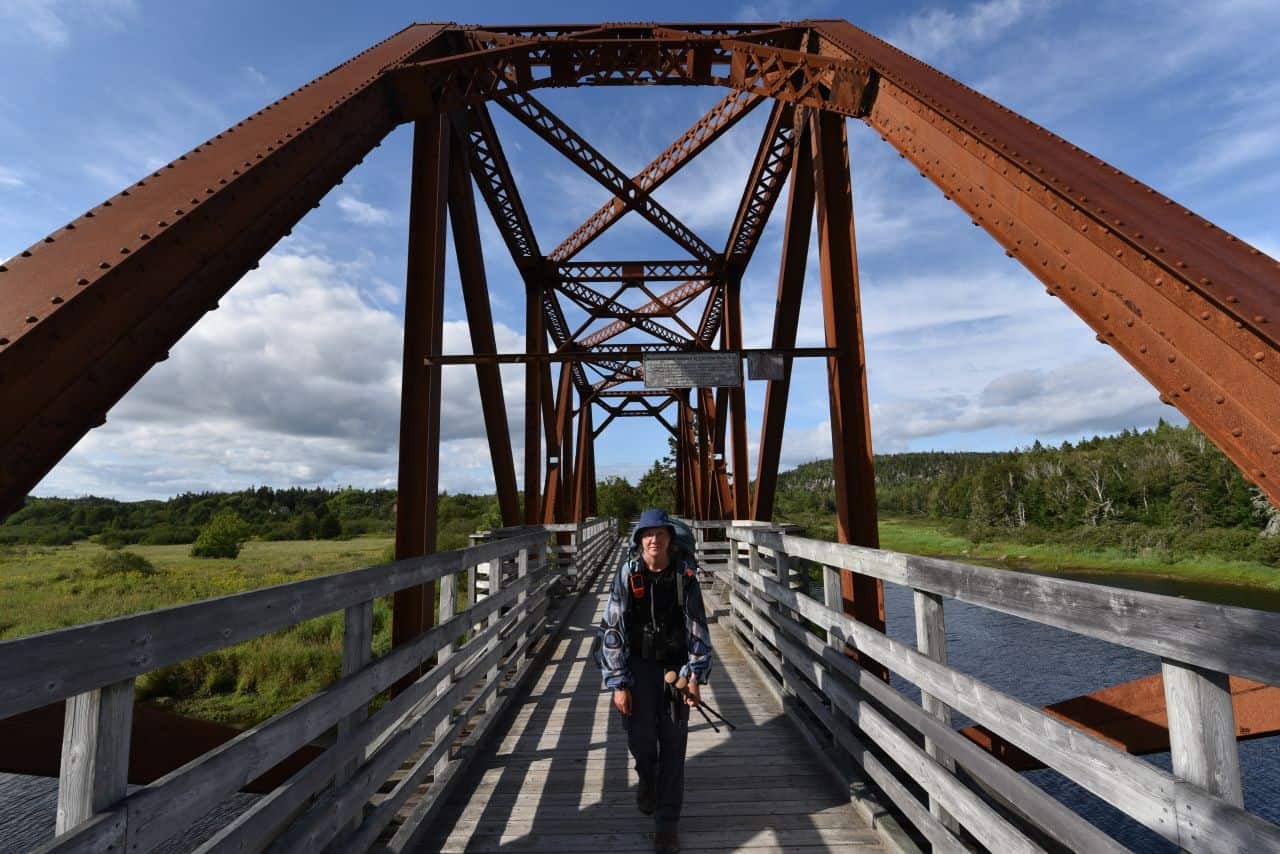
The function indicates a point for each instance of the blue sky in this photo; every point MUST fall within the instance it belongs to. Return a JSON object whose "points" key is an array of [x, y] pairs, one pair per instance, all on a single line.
{"points": [[295, 380]]}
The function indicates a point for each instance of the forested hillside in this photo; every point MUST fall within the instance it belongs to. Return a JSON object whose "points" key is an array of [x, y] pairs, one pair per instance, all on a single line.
{"points": [[1168, 488]]}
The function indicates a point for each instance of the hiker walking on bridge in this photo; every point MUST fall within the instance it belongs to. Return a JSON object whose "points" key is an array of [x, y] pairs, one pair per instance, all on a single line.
{"points": [[655, 623]]}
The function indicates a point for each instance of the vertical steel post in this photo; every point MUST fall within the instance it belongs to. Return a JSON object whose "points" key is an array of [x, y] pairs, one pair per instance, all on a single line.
{"points": [[475, 294], [737, 410], [846, 371], [582, 471], [786, 319], [559, 442], [535, 342], [419, 472]]}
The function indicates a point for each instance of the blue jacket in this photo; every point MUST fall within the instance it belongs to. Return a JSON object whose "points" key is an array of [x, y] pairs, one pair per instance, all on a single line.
{"points": [[613, 646]]}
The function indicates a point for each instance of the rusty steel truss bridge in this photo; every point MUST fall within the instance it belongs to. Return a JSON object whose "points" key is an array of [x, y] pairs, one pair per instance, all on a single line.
{"points": [[88, 310]]}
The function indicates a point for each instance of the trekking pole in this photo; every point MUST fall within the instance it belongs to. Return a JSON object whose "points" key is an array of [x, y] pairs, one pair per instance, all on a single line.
{"points": [[681, 684]]}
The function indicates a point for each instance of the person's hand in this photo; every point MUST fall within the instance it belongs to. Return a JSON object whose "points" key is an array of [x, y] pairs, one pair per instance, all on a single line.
{"points": [[691, 696], [622, 700]]}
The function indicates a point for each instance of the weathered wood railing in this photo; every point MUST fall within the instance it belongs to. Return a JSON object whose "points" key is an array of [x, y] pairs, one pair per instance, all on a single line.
{"points": [[327, 802], [805, 643]]}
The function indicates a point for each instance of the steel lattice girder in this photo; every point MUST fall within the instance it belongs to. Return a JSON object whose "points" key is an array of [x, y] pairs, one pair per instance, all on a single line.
{"points": [[85, 313]]}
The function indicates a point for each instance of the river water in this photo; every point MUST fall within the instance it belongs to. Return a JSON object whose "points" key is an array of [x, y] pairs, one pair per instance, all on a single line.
{"points": [[1042, 664]]}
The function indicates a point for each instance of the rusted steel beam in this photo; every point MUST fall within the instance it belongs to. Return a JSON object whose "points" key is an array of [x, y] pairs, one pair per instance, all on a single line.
{"points": [[846, 372], [712, 320], [688, 28], [583, 474], [764, 186], [672, 300], [621, 271], [492, 174], [786, 320], [599, 305], [160, 742], [736, 413], [559, 453], [568, 452], [475, 295], [724, 115], [418, 481], [87, 311], [1133, 717], [535, 115], [535, 342], [1190, 306], [767, 66]]}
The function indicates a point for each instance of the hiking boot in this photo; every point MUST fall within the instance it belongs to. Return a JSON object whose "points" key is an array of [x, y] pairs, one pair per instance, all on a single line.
{"points": [[646, 800], [666, 842]]}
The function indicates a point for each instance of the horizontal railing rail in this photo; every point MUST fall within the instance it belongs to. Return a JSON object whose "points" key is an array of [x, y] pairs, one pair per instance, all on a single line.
{"points": [[811, 649], [324, 803]]}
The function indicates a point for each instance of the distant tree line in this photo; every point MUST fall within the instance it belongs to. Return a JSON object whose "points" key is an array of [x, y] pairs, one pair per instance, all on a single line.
{"points": [[264, 513], [1164, 490]]}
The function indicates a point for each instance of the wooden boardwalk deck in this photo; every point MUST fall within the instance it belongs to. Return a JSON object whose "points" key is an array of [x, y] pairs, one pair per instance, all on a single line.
{"points": [[559, 778]]}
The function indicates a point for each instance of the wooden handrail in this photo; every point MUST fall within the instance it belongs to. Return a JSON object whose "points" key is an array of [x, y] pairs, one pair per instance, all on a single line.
{"points": [[1198, 807], [1235, 640], [92, 665]]}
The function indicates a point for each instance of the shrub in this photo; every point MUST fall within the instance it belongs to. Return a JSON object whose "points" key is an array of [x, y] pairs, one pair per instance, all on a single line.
{"points": [[328, 528], [221, 537], [114, 538], [169, 535], [120, 563]]}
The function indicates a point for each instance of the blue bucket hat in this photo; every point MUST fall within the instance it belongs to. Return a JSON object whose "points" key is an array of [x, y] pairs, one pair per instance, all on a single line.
{"points": [[652, 518]]}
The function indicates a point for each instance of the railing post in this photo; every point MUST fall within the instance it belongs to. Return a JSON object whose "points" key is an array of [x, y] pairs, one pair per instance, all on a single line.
{"points": [[522, 572], [731, 583], [931, 639], [754, 566], [95, 753], [833, 599], [495, 586], [1202, 729], [448, 607], [357, 651]]}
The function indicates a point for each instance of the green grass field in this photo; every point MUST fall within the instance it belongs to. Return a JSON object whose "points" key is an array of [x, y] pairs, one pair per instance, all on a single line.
{"points": [[47, 588]]}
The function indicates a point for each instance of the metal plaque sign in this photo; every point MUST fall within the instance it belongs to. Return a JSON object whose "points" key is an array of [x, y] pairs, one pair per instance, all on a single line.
{"points": [[765, 366], [692, 370]]}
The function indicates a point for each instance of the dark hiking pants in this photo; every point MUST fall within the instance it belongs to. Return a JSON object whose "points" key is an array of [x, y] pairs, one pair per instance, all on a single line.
{"points": [[657, 732]]}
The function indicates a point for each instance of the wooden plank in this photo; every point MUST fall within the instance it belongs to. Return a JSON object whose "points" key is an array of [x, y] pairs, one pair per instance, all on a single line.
{"points": [[931, 640], [94, 774], [448, 605], [328, 816], [824, 839], [1146, 793], [986, 825], [744, 822], [269, 815], [357, 650], [940, 838], [1224, 638], [1202, 729], [1069, 828], [415, 825], [418, 822], [45, 668]]}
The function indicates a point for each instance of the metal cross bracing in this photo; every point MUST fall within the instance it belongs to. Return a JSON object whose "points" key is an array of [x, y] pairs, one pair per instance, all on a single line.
{"points": [[85, 312]]}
